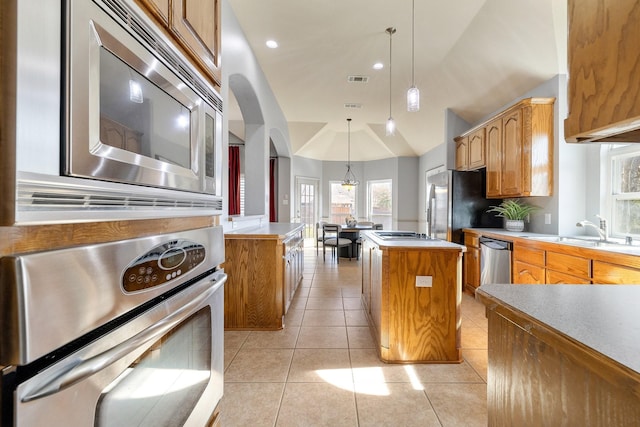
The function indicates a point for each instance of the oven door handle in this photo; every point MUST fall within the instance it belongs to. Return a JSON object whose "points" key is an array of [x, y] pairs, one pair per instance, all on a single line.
{"points": [[82, 369]]}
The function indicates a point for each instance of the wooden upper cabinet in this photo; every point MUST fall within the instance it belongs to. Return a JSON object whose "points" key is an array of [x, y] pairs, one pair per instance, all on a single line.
{"points": [[196, 24], [470, 151], [195, 27], [603, 88], [519, 145], [512, 166], [476, 148], [494, 157], [462, 153]]}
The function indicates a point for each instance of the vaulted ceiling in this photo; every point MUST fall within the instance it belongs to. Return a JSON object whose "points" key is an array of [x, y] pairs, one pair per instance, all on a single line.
{"points": [[471, 56]]}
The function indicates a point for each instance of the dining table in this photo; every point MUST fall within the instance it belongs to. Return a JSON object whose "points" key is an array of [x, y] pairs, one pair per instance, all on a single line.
{"points": [[352, 233]]}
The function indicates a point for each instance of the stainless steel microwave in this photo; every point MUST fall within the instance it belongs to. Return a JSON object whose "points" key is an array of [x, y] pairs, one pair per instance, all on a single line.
{"points": [[113, 121]]}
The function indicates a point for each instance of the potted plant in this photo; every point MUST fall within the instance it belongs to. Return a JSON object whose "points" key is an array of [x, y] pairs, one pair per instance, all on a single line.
{"points": [[514, 212]]}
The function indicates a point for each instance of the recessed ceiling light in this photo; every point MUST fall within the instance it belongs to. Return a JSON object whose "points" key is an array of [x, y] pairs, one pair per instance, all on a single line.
{"points": [[272, 44], [378, 66]]}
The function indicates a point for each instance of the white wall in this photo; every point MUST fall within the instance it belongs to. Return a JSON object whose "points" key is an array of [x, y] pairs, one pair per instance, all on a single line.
{"points": [[264, 123]]}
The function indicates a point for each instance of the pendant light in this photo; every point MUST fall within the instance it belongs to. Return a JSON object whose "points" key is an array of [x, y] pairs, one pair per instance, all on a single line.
{"points": [[349, 180], [413, 94], [391, 124]]}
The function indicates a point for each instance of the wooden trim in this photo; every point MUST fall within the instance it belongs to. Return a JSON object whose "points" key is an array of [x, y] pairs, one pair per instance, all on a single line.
{"points": [[20, 239], [8, 52]]}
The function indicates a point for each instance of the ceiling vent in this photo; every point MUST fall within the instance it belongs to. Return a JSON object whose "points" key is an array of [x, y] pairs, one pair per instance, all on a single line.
{"points": [[358, 79], [352, 105]]}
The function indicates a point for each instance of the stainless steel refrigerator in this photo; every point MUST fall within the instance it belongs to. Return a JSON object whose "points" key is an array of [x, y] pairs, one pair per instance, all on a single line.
{"points": [[456, 200]]}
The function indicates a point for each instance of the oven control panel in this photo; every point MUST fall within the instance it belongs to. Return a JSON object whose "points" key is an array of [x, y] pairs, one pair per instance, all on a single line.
{"points": [[162, 264]]}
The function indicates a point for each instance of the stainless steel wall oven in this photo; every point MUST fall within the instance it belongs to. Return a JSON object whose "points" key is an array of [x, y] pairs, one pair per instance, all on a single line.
{"points": [[112, 120], [123, 333]]}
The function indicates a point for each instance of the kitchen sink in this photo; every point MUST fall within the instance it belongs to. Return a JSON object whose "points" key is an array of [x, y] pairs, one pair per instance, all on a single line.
{"points": [[586, 242]]}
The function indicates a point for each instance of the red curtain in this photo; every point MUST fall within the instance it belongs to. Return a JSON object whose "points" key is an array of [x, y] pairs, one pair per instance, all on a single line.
{"points": [[234, 180], [272, 191]]}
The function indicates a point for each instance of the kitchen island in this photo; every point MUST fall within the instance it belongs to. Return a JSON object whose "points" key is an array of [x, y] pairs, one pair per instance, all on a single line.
{"points": [[563, 354], [411, 291], [264, 266]]}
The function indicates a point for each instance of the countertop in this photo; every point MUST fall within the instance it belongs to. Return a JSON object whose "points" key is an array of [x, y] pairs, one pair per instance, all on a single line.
{"points": [[272, 230], [629, 252], [604, 318], [412, 243]]}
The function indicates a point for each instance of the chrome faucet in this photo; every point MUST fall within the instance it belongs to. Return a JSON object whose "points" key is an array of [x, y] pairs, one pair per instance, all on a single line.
{"points": [[602, 229]]}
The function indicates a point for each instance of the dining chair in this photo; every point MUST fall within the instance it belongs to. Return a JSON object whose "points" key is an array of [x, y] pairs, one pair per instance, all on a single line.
{"points": [[331, 238], [319, 235]]}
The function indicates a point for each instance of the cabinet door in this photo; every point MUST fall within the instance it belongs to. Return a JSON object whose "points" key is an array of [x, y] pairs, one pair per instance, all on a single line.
{"points": [[558, 278], [476, 150], [603, 53], [195, 24], [512, 166], [494, 157], [159, 9], [472, 269], [462, 153], [524, 273]]}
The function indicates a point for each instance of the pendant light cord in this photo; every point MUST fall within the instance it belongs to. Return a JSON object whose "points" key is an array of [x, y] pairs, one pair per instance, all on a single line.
{"points": [[413, 37], [391, 31]]}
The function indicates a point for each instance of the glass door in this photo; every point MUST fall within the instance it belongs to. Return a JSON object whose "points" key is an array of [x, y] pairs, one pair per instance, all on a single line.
{"points": [[307, 203]]}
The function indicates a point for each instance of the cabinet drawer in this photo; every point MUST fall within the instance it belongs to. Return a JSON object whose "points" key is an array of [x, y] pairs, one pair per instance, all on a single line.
{"points": [[524, 273], [528, 255], [615, 274], [472, 240], [557, 278], [570, 264]]}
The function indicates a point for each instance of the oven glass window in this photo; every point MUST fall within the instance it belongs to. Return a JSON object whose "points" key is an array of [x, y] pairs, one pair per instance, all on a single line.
{"points": [[162, 386], [137, 116]]}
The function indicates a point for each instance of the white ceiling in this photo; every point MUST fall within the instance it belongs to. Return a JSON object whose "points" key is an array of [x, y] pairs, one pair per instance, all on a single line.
{"points": [[472, 56]]}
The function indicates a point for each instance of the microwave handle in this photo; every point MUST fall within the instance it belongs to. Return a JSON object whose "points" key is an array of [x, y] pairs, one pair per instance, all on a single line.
{"points": [[83, 369]]}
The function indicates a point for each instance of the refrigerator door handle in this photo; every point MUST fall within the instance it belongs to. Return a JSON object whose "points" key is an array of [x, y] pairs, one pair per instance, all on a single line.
{"points": [[430, 211]]}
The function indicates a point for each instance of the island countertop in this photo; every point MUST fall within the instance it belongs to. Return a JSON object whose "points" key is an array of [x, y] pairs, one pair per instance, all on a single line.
{"points": [[603, 318], [412, 243], [270, 230]]}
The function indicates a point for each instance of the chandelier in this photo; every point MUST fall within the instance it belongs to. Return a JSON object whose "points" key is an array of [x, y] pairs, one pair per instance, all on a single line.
{"points": [[350, 179]]}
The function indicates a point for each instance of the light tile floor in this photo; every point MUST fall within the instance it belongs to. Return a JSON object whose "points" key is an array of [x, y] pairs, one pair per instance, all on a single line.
{"points": [[322, 368]]}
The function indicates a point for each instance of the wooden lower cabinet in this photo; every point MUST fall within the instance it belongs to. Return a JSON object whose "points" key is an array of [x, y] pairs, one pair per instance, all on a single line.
{"points": [[263, 276], [471, 268], [530, 274], [606, 273], [539, 377], [410, 323], [528, 265]]}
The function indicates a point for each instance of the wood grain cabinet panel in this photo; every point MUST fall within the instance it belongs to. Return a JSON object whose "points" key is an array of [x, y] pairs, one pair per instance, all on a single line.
{"points": [[476, 148], [462, 153], [607, 273], [558, 278], [194, 26], [410, 323], [471, 262], [494, 157], [530, 274], [569, 264], [603, 85]]}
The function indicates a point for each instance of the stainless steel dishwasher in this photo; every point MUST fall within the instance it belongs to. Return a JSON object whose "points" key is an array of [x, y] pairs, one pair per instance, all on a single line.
{"points": [[495, 261]]}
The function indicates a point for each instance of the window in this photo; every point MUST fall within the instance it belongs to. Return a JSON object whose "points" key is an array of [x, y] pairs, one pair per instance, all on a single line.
{"points": [[343, 202], [379, 203], [623, 189]]}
